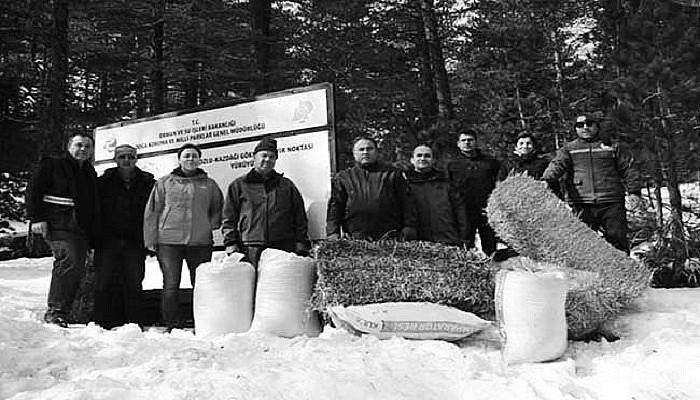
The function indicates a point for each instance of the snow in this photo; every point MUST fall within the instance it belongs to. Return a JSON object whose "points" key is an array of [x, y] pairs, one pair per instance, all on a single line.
{"points": [[658, 357]]}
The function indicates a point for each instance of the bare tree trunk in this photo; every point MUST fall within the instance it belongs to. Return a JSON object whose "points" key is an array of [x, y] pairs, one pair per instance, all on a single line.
{"points": [[428, 93], [521, 115], [437, 61], [157, 80], [559, 87], [260, 13], [56, 110]]}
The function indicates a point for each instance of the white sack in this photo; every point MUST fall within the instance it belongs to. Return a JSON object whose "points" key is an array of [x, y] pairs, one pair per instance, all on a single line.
{"points": [[419, 320], [531, 315], [285, 285], [223, 296]]}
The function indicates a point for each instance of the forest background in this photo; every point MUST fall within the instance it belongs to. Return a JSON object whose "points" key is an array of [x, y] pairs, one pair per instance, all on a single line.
{"points": [[404, 72]]}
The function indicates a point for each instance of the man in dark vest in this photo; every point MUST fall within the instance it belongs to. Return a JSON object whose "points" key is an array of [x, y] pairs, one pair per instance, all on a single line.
{"points": [[120, 258], [596, 175], [62, 206]]}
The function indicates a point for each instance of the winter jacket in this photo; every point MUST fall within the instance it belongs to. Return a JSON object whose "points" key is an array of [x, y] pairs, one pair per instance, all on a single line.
{"points": [[369, 202], [261, 211], [475, 176], [182, 210], [63, 193], [122, 207], [594, 172], [534, 164], [439, 207]]}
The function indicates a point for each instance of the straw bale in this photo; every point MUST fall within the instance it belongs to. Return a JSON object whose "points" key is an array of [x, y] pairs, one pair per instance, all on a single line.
{"points": [[354, 272], [527, 216]]}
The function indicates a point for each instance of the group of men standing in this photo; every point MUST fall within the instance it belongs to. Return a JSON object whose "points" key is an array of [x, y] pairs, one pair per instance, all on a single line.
{"points": [[75, 211]]}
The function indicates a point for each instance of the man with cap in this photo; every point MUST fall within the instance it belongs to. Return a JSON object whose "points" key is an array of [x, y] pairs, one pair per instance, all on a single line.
{"points": [[263, 209], [120, 254], [596, 175], [62, 206]]}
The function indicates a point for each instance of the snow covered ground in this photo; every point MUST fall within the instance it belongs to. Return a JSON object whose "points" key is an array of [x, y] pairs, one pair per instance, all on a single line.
{"points": [[658, 357]]}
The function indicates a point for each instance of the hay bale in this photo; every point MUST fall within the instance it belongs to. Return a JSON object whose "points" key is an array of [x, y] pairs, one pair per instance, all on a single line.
{"points": [[354, 272], [532, 220]]}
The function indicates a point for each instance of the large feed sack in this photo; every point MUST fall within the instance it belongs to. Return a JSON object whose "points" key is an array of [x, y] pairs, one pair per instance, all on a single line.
{"points": [[283, 293], [530, 315], [222, 301], [420, 321], [532, 220]]}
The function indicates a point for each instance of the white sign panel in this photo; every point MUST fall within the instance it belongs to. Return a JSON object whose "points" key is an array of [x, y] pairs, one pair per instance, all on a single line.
{"points": [[305, 157], [263, 117]]}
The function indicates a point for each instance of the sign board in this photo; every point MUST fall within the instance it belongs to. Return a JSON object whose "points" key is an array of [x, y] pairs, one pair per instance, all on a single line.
{"points": [[300, 119]]}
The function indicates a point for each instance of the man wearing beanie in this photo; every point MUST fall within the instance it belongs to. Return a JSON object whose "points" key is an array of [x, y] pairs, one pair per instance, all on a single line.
{"points": [[120, 255], [263, 209]]}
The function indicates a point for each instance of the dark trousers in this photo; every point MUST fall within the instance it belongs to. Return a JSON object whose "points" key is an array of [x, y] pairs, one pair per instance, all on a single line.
{"points": [[70, 257], [610, 218], [253, 252], [477, 221], [170, 259], [119, 271]]}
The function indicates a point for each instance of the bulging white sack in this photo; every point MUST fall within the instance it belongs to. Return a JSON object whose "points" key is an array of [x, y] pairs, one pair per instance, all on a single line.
{"points": [[531, 315], [223, 296], [284, 288]]}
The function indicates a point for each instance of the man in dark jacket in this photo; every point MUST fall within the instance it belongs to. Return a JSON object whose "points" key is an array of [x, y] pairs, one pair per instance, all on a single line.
{"points": [[596, 175], [439, 208], [120, 256], [474, 174], [369, 200], [62, 206], [263, 209]]}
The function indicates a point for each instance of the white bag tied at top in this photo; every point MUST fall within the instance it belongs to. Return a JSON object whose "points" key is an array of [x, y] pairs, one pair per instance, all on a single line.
{"points": [[285, 284], [531, 315], [223, 296]]}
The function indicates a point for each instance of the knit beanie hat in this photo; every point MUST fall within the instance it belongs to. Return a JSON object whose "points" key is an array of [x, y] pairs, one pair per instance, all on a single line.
{"points": [[266, 144]]}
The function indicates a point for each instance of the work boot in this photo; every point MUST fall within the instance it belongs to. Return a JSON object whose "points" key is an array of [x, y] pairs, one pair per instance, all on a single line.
{"points": [[52, 317]]}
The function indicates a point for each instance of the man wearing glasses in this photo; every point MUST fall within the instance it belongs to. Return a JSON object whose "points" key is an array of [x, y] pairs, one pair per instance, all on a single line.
{"points": [[596, 175], [120, 254]]}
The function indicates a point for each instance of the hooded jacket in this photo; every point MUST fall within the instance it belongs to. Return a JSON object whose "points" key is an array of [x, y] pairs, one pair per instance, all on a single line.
{"points": [[261, 211], [594, 172], [368, 202], [122, 207], [183, 210], [439, 208], [63, 192]]}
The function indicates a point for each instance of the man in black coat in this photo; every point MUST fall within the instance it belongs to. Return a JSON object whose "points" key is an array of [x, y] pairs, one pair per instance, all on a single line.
{"points": [[62, 206], [474, 174], [369, 200], [120, 255], [439, 207]]}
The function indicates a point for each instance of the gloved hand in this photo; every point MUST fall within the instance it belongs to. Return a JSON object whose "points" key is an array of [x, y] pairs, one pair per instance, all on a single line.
{"points": [[234, 248], [301, 250], [408, 233], [636, 202]]}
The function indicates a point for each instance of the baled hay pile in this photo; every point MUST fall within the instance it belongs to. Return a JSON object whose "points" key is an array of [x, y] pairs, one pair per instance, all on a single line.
{"points": [[532, 220], [355, 272]]}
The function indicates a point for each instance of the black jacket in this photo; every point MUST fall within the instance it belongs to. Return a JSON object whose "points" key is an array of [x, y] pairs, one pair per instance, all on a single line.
{"points": [[439, 208], [533, 163], [63, 193], [369, 202], [122, 207], [264, 212], [475, 176]]}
